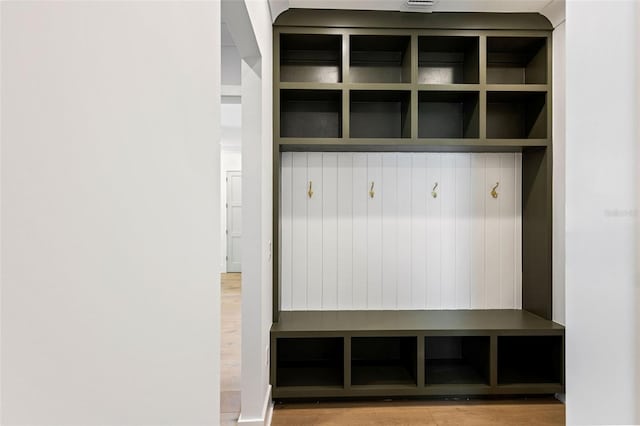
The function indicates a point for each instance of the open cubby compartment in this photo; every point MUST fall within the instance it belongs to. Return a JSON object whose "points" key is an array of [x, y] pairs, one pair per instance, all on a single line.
{"points": [[448, 60], [516, 115], [311, 113], [384, 361], [310, 361], [380, 114], [448, 115], [530, 359], [516, 60], [452, 360], [311, 58], [380, 59]]}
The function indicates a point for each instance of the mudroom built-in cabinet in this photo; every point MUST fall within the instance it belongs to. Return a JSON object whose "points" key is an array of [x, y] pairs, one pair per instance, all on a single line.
{"points": [[412, 206]]}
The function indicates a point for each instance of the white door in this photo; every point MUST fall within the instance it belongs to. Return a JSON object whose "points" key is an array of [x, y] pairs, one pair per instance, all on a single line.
{"points": [[234, 220]]}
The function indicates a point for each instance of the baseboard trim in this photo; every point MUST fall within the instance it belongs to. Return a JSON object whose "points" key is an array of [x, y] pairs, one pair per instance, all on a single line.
{"points": [[267, 413]]}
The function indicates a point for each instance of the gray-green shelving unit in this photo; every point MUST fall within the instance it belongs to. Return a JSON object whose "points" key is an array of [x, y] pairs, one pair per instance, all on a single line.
{"points": [[391, 81]]}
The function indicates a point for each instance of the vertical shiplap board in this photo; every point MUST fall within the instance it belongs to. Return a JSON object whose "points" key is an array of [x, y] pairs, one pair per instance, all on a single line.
{"points": [[477, 214], [418, 230], [330, 231], [448, 220], [404, 258], [507, 220], [360, 237], [390, 238], [463, 236], [314, 232], [492, 251], [299, 187], [374, 231], [285, 230], [345, 230], [433, 259], [518, 232]]}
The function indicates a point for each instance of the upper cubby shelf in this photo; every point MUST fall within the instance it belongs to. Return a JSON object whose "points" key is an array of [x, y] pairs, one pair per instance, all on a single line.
{"points": [[311, 113], [380, 114], [448, 60], [516, 60], [311, 58], [380, 59]]}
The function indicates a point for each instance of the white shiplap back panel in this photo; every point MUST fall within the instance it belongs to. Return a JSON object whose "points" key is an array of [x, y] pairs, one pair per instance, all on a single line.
{"points": [[286, 245], [299, 188], [448, 218], [374, 231], [418, 231], [507, 222], [330, 231], [314, 232], [403, 248], [360, 237], [345, 230], [390, 249], [404, 255], [492, 249], [517, 237], [463, 222], [434, 228]]}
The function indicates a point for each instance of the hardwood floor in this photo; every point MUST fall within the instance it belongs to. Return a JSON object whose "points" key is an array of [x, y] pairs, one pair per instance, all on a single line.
{"points": [[230, 355], [545, 412]]}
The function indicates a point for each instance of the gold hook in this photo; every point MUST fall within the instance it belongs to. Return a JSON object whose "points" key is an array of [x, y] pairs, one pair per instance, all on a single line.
{"points": [[494, 194], [434, 194], [371, 192], [310, 191]]}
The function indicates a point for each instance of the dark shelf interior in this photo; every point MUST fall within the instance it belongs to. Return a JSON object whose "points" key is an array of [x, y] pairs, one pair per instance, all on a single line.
{"points": [[530, 359], [456, 360], [311, 58], [448, 115], [311, 113], [310, 361], [516, 115], [380, 114], [516, 60], [448, 60], [380, 59], [383, 361]]}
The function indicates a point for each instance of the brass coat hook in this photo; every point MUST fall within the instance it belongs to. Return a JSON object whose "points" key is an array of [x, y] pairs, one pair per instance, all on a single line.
{"points": [[371, 191], [310, 191], [494, 193], [434, 194]]}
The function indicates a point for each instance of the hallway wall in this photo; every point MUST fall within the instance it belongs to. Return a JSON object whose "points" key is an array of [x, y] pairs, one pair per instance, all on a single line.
{"points": [[110, 213]]}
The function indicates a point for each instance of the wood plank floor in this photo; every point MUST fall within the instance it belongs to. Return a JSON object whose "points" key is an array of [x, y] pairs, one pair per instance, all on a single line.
{"points": [[545, 412], [230, 355]]}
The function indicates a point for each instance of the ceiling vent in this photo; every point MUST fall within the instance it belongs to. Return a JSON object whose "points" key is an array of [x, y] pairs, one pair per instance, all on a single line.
{"points": [[420, 3]]}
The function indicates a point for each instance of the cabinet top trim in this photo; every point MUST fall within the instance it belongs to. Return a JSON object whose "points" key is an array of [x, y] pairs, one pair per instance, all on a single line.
{"points": [[332, 18]]}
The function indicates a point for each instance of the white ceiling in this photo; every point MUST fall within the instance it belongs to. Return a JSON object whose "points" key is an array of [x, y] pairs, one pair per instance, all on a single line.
{"points": [[440, 5]]}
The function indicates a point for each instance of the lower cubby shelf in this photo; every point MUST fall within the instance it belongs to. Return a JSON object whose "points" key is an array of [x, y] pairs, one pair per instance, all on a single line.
{"points": [[310, 361], [383, 361], [454, 360], [530, 359], [336, 354]]}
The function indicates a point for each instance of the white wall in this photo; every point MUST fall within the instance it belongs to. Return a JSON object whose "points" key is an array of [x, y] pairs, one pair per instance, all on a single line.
{"points": [[230, 66], [559, 182], [230, 160], [403, 248], [602, 212], [257, 215], [110, 192]]}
